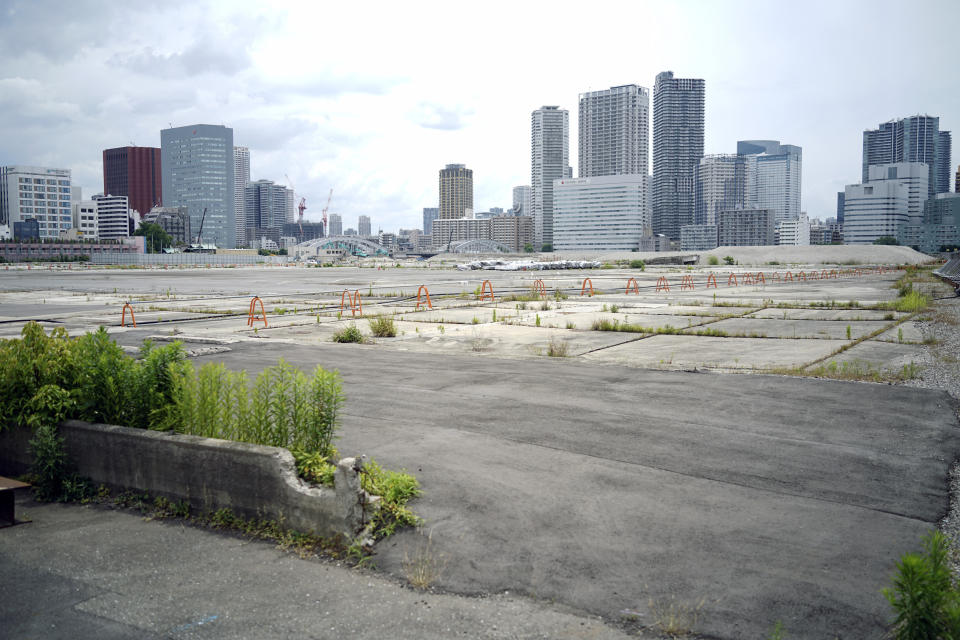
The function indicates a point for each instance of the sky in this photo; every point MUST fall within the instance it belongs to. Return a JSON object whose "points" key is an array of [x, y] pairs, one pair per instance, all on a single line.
{"points": [[372, 99]]}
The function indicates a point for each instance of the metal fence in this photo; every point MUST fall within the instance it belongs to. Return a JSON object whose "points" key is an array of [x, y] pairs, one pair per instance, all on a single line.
{"points": [[213, 259]]}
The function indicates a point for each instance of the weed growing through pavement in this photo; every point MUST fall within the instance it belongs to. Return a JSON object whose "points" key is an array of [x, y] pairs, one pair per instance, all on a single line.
{"points": [[349, 334], [558, 348], [424, 565], [383, 327]]}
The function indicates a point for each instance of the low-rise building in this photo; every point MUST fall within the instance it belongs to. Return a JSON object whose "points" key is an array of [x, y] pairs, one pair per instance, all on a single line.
{"points": [[698, 237], [174, 220], [600, 213], [794, 232], [940, 229], [746, 227]]}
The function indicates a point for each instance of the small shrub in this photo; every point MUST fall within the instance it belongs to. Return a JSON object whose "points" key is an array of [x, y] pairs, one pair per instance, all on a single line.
{"points": [[728, 260], [558, 348], [713, 261], [349, 334], [673, 617], [571, 325], [314, 467], [538, 320], [383, 327], [926, 603], [614, 308], [395, 489], [638, 264]]}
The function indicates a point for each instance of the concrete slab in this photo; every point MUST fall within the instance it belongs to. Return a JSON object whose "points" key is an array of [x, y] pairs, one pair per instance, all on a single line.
{"points": [[904, 332], [697, 352], [779, 328], [848, 315], [884, 355]]}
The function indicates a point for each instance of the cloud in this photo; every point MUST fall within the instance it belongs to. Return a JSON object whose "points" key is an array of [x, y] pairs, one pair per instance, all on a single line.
{"points": [[270, 134], [204, 57], [435, 116]]}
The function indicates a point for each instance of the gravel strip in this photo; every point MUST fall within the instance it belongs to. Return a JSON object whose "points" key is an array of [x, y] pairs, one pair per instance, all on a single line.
{"points": [[940, 369]]}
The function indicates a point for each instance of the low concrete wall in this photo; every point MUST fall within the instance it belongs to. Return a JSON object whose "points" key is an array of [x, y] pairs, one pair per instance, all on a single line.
{"points": [[252, 480]]}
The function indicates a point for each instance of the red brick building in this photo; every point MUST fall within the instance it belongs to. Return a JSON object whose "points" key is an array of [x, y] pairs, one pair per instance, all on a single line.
{"points": [[133, 172]]}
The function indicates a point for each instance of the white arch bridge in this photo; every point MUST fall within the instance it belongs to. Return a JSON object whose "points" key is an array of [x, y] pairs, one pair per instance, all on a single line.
{"points": [[350, 245]]}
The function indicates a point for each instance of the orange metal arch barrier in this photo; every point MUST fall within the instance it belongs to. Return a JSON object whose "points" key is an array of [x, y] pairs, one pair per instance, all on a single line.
{"points": [[123, 317], [802, 276], [632, 282], [732, 280], [583, 287], [788, 276], [748, 278], [662, 284], [483, 290], [711, 281], [857, 272], [824, 274], [813, 275], [761, 279], [353, 300], [252, 314], [775, 276], [426, 293], [539, 288], [686, 282]]}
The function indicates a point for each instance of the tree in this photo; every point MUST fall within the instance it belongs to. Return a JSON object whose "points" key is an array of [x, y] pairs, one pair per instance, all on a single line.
{"points": [[156, 237], [527, 247], [886, 240], [547, 248]]}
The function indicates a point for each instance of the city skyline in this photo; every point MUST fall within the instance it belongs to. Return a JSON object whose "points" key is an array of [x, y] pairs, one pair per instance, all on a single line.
{"points": [[376, 130]]}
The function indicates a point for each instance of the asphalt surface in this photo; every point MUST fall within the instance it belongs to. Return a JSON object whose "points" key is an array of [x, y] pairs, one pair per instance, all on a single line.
{"points": [[601, 487]]}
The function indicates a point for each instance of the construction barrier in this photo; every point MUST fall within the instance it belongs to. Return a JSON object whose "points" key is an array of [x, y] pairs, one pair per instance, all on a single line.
{"points": [[687, 283], [123, 317], [354, 301], [539, 288], [761, 279], [252, 314], [662, 284], [732, 280], [483, 290], [632, 282], [788, 276], [712, 281], [748, 278], [583, 287], [426, 293]]}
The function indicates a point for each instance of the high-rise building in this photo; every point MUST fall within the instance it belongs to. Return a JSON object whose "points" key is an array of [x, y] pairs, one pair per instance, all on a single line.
{"points": [[173, 220], [773, 174], [911, 139], [336, 224], [794, 231], [840, 197], [113, 217], [549, 161], [873, 211], [241, 178], [39, 193], [746, 228], [913, 177], [363, 226], [456, 191], [614, 129], [266, 204], [134, 172], [429, 215], [600, 213], [956, 184], [940, 229], [523, 201], [198, 173], [719, 184], [678, 129]]}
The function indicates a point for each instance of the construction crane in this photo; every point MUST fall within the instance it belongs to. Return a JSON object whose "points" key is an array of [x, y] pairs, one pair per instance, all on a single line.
{"points": [[326, 229], [201, 227], [300, 207]]}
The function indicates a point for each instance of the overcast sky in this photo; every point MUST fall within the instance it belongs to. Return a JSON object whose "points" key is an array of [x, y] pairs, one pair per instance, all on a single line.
{"points": [[373, 99]]}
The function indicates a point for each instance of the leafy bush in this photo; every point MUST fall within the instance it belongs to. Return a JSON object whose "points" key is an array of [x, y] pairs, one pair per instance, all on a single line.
{"points": [[314, 467], [713, 261], [284, 409], [638, 264], [728, 259], [383, 327], [348, 334], [926, 603], [395, 489]]}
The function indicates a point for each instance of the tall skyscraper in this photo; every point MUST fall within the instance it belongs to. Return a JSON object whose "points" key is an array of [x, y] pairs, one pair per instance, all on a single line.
{"points": [[134, 172], [678, 125], [614, 132], [912, 139], [198, 173], [719, 185], [363, 226], [266, 204], [456, 191], [429, 215], [39, 193], [600, 213], [550, 160], [336, 224], [241, 178], [773, 175]]}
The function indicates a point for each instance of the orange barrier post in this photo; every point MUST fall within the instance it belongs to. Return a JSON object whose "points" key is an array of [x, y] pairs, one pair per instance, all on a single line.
{"points": [[636, 289], [833, 274], [123, 317], [539, 288], [583, 287], [761, 279], [732, 280], [712, 281], [802, 276], [775, 276], [857, 272], [252, 314], [426, 293], [354, 300], [662, 284], [788, 276], [686, 282], [813, 275], [748, 278], [483, 290], [824, 274]]}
